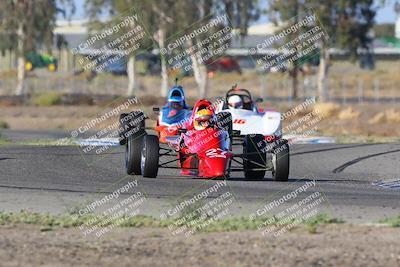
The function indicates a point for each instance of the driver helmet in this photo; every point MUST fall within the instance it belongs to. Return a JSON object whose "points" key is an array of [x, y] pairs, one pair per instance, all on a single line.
{"points": [[203, 119], [235, 102], [176, 102]]}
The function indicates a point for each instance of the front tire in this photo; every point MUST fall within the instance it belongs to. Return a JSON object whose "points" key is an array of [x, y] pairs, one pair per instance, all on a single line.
{"points": [[149, 156], [224, 121], [281, 162], [254, 157], [131, 125], [133, 152]]}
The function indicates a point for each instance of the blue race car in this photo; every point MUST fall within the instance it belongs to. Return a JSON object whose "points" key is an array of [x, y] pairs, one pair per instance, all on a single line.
{"points": [[173, 115]]}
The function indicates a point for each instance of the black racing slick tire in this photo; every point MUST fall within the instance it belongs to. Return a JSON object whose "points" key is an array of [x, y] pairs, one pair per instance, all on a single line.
{"points": [[150, 156], [224, 121], [133, 152], [280, 161], [131, 124], [254, 157]]}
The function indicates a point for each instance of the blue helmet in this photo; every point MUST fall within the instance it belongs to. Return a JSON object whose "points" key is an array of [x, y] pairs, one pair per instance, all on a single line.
{"points": [[176, 97]]}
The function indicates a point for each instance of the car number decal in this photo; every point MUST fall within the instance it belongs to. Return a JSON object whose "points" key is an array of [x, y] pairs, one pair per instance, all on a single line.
{"points": [[216, 153]]}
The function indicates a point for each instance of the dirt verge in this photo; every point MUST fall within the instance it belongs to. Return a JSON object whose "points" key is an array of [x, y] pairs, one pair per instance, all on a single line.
{"points": [[331, 245]]}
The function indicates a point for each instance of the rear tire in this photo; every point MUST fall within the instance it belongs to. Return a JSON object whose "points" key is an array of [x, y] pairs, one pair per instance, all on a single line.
{"points": [[133, 152], [281, 162], [149, 156], [254, 157]]}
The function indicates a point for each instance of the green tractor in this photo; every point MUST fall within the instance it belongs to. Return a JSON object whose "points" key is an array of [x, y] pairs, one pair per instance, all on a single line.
{"points": [[35, 60]]}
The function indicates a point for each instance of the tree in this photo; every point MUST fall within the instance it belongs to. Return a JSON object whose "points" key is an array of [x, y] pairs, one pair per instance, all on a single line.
{"points": [[347, 23], [96, 8], [242, 13], [162, 15], [199, 12], [155, 16], [285, 12], [168, 18], [30, 24]]}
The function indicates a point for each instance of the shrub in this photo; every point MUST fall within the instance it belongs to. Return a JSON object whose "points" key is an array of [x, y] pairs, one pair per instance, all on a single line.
{"points": [[46, 99], [4, 125]]}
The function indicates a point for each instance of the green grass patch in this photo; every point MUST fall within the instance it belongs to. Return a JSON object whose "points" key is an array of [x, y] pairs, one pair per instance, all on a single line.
{"points": [[235, 224], [357, 139], [320, 219], [393, 222], [4, 140], [46, 99], [69, 220], [47, 221]]}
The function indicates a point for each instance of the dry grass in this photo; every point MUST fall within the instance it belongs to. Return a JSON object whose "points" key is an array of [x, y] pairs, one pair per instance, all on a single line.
{"points": [[349, 114], [328, 110], [345, 79], [388, 116], [392, 116], [378, 118]]}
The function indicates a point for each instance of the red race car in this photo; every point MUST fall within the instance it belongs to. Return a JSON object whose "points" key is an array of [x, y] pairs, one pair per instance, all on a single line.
{"points": [[202, 148]]}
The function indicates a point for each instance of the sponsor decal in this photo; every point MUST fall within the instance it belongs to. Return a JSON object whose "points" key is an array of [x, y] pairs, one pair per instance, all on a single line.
{"points": [[171, 113]]}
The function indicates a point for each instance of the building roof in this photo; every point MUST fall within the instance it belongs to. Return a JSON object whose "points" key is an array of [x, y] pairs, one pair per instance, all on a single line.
{"points": [[263, 29], [71, 27]]}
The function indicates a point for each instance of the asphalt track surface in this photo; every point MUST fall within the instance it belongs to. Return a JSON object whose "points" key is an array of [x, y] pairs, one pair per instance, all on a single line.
{"points": [[359, 182]]}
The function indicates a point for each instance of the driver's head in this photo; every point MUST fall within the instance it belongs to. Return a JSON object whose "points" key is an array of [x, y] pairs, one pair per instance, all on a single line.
{"points": [[235, 102], [176, 102], [203, 119]]}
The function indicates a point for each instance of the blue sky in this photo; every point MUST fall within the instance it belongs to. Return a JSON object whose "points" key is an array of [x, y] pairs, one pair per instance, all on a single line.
{"points": [[385, 14]]}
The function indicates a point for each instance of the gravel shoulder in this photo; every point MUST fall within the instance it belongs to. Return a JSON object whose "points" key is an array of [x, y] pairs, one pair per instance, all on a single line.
{"points": [[331, 245]]}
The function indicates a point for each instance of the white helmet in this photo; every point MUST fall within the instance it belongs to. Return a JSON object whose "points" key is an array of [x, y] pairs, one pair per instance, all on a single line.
{"points": [[235, 101]]}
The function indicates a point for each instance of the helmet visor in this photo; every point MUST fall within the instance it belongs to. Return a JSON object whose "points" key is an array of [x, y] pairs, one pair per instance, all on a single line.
{"points": [[176, 104]]}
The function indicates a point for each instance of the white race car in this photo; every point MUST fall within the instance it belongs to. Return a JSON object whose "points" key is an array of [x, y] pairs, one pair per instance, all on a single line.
{"points": [[247, 118], [271, 151]]}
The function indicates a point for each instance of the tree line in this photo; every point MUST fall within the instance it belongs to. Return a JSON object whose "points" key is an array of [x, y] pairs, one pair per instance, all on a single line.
{"points": [[26, 25]]}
